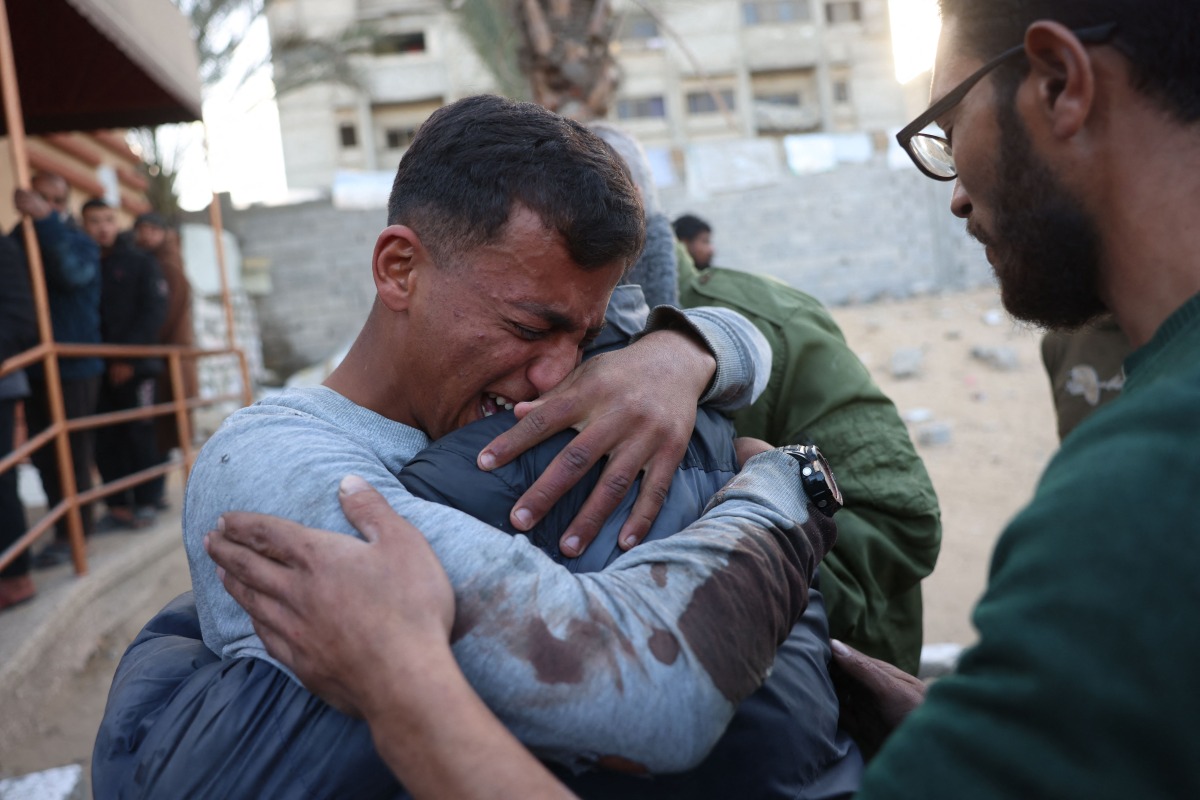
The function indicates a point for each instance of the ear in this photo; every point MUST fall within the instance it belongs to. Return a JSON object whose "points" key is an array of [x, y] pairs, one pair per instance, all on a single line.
{"points": [[398, 253], [1063, 76]]}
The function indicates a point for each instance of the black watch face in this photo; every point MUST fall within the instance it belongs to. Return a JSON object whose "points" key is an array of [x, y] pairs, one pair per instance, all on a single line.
{"points": [[819, 483]]}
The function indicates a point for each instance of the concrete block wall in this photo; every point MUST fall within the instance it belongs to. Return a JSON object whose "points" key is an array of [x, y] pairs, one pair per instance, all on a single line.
{"points": [[319, 262], [847, 236]]}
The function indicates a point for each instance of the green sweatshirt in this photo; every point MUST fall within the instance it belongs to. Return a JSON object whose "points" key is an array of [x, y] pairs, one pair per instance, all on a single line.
{"points": [[889, 532], [1083, 684]]}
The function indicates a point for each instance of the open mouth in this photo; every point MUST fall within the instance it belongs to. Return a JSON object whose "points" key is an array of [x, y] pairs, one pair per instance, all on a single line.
{"points": [[493, 403]]}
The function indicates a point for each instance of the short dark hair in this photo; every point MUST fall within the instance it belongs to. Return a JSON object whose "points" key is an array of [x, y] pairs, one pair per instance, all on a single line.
{"points": [[95, 202], [1157, 36], [473, 160], [152, 218], [689, 226]]}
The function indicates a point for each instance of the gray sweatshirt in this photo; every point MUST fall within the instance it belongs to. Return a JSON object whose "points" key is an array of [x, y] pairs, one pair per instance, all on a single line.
{"points": [[645, 661]]}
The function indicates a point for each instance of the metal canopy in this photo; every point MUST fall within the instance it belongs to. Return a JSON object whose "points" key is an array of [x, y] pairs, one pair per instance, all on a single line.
{"points": [[85, 64]]}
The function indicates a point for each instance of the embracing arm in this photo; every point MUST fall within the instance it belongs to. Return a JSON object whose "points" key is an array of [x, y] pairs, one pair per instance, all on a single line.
{"points": [[638, 407], [427, 723], [644, 662]]}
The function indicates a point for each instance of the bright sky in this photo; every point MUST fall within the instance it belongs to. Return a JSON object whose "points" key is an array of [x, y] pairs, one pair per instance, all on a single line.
{"points": [[246, 155], [245, 152], [915, 27]]}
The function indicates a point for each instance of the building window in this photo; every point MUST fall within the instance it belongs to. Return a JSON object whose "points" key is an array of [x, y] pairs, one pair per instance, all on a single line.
{"points": [[765, 12], [639, 27], [641, 107], [706, 103], [349, 135], [842, 11], [399, 138], [786, 99], [398, 44], [841, 91]]}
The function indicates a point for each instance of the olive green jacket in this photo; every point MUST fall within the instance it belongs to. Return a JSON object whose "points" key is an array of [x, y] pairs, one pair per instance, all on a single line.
{"points": [[890, 531]]}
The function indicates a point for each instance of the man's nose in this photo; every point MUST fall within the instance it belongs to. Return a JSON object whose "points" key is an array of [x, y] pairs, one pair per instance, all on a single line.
{"points": [[960, 202], [553, 364]]}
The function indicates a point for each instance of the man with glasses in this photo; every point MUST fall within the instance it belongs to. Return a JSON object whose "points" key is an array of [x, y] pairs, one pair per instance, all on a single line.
{"points": [[72, 266], [1072, 129]]}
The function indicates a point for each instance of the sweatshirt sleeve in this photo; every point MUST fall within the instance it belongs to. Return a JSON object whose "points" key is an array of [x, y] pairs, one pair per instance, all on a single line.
{"points": [[742, 353], [645, 661]]}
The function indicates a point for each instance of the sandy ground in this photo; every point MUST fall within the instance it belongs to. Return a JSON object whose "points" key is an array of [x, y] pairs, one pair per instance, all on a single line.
{"points": [[1001, 423], [1001, 433]]}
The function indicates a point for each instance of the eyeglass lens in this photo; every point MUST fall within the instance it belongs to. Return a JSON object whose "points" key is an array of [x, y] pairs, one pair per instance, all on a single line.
{"points": [[935, 154]]}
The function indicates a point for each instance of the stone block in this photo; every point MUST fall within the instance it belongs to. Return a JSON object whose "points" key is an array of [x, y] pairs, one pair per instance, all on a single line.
{"points": [[906, 362]]}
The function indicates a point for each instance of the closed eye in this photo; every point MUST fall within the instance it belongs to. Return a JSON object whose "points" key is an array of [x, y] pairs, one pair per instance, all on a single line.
{"points": [[529, 334]]}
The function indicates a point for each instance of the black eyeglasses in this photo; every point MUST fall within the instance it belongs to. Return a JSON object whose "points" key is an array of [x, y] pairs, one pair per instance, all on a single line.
{"points": [[932, 153]]}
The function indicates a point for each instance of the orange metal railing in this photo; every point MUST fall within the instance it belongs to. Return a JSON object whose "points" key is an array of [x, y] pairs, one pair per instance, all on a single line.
{"points": [[60, 428]]}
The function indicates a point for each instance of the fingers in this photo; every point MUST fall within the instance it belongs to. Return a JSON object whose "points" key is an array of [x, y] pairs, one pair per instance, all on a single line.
{"points": [[652, 493], [271, 537], [877, 676], [255, 583], [269, 616], [364, 507], [615, 482], [567, 469], [246, 565], [551, 413]]}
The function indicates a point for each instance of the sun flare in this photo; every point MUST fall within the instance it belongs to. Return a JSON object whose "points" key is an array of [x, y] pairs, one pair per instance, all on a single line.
{"points": [[915, 27]]}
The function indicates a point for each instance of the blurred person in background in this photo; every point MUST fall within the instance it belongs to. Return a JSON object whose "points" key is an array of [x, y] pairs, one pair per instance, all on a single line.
{"points": [[696, 235], [152, 234], [133, 306], [18, 332], [71, 262]]}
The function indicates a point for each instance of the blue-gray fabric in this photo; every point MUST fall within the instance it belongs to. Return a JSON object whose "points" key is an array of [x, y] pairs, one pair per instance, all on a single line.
{"points": [[655, 269], [71, 262]]}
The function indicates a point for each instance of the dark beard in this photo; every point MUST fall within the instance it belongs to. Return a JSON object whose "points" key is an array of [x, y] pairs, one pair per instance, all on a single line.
{"points": [[1046, 248]]}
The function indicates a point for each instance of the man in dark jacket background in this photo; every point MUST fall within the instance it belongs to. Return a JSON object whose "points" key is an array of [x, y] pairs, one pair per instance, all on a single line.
{"points": [[152, 234], [18, 331], [72, 267], [133, 305]]}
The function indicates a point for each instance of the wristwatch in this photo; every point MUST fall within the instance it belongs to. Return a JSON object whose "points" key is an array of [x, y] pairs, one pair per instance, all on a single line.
{"points": [[816, 477]]}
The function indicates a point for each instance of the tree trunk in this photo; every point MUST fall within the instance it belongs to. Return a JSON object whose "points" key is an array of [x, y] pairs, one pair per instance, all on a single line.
{"points": [[566, 55]]}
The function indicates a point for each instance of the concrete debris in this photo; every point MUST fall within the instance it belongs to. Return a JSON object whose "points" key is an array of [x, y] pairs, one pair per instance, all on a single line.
{"points": [[906, 362], [938, 659], [916, 415], [59, 783], [1003, 359], [934, 434], [993, 317]]}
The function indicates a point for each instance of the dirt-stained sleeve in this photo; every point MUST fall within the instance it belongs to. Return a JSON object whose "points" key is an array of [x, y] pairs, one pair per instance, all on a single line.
{"points": [[644, 662], [647, 660]]}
